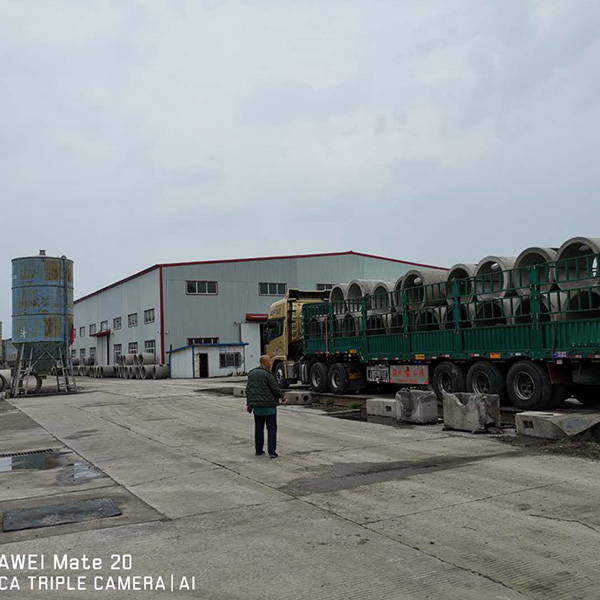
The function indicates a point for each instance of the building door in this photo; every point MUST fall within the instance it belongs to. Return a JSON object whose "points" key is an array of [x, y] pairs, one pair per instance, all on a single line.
{"points": [[250, 333], [201, 365]]}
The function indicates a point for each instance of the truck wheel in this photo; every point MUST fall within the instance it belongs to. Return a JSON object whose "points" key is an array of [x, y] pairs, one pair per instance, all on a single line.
{"points": [[338, 378], [486, 378], [587, 394], [529, 386], [318, 378], [448, 378], [279, 371]]}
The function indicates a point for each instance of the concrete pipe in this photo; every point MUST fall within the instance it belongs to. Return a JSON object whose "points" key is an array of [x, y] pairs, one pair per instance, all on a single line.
{"points": [[86, 371], [553, 307], [467, 312], [7, 376], [130, 372], [4, 385], [429, 319], [75, 362], [463, 273], [376, 325], [398, 292], [107, 372], [578, 266], [381, 299], [160, 371], [357, 290], [424, 287], [583, 305], [338, 292], [146, 358], [147, 371], [490, 313], [493, 277], [129, 359], [540, 257], [137, 372]]}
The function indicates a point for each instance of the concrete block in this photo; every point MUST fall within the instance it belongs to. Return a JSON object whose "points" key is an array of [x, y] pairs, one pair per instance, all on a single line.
{"points": [[377, 407], [239, 391], [416, 406], [557, 425], [299, 398], [471, 412]]}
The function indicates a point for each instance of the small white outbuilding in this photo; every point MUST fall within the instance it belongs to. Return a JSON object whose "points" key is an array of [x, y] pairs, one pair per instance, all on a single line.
{"points": [[208, 360]]}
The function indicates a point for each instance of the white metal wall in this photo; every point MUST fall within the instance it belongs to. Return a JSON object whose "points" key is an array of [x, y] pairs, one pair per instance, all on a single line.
{"points": [[134, 296]]}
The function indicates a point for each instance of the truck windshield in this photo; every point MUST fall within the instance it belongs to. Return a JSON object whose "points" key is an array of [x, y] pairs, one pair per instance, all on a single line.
{"points": [[273, 329]]}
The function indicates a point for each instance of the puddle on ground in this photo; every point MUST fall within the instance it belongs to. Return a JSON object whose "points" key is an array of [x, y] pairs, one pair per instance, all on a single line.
{"points": [[72, 472]]}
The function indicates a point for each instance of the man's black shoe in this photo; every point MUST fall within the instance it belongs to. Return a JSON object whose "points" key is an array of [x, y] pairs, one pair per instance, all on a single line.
{"points": [[274, 455], [260, 453]]}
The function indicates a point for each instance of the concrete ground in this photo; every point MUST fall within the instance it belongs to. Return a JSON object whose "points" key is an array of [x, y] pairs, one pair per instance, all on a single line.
{"points": [[349, 509]]}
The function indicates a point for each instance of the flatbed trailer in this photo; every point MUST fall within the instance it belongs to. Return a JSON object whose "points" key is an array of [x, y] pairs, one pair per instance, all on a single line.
{"points": [[531, 335]]}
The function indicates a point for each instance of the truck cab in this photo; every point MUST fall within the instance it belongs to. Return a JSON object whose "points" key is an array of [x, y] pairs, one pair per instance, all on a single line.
{"points": [[282, 333]]}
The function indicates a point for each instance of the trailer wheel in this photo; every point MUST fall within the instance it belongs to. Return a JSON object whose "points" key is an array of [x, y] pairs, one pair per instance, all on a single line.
{"points": [[282, 381], [529, 386], [448, 378], [338, 378], [318, 378], [486, 378], [587, 394]]}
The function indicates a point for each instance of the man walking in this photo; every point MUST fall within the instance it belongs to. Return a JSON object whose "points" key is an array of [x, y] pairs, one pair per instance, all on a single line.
{"points": [[262, 396]]}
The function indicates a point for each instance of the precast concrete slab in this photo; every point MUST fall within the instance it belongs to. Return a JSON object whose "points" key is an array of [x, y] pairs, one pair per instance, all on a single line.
{"points": [[557, 425], [417, 406], [471, 412], [239, 391], [302, 398], [381, 408]]}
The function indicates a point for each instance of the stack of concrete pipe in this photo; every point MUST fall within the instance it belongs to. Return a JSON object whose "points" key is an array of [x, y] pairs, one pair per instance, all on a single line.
{"points": [[141, 366], [494, 291]]}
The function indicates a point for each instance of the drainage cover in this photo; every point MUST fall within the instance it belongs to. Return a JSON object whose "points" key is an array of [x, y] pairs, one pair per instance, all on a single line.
{"points": [[59, 514], [27, 453]]}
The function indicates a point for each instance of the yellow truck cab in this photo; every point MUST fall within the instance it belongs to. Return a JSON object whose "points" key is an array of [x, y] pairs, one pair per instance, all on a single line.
{"points": [[283, 333]]}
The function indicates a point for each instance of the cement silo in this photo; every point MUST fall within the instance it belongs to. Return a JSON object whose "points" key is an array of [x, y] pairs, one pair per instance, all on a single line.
{"points": [[42, 292]]}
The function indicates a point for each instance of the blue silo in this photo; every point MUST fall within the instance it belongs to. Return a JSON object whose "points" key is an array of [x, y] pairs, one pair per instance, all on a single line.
{"points": [[42, 292]]}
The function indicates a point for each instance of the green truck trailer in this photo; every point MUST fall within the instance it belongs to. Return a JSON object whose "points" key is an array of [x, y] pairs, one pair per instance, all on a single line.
{"points": [[531, 335]]}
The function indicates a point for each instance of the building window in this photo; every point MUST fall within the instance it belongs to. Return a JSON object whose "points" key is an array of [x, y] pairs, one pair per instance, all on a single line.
{"points": [[103, 325], [132, 320], [93, 353], [150, 346], [82, 332], [321, 287], [201, 288], [272, 289], [132, 348], [73, 353], [202, 341], [117, 323], [230, 359], [117, 352], [149, 316], [92, 328], [82, 353]]}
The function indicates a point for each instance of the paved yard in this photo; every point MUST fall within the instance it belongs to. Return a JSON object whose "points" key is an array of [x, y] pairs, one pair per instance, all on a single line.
{"points": [[349, 510]]}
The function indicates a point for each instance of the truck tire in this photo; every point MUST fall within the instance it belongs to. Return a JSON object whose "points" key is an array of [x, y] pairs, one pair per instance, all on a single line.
{"points": [[319, 381], [529, 386], [448, 378], [282, 381], [486, 378], [338, 378], [586, 394]]}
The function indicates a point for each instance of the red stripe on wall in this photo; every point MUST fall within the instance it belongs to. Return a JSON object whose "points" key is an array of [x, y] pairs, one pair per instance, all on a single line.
{"points": [[162, 315]]}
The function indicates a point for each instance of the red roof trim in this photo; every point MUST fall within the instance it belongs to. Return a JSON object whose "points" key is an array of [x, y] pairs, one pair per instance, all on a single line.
{"points": [[259, 258], [102, 333]]}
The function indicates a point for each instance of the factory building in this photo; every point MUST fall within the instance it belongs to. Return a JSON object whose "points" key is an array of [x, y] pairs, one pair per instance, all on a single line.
{"points": [[219, 304]]}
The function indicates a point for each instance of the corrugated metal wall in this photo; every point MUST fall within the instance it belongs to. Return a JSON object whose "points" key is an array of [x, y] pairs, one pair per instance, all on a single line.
{"points": [[219, 316], [134, 296]]}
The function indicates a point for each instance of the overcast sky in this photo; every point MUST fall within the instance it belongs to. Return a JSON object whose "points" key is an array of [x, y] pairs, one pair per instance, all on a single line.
{"points": [[438, 131]]}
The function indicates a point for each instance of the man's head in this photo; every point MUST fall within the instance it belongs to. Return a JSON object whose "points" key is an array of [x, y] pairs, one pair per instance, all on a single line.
{"points": [[266, 362]]}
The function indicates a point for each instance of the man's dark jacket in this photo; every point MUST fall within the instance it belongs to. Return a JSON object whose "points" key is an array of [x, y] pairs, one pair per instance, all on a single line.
{"points": [[262, 388]]}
